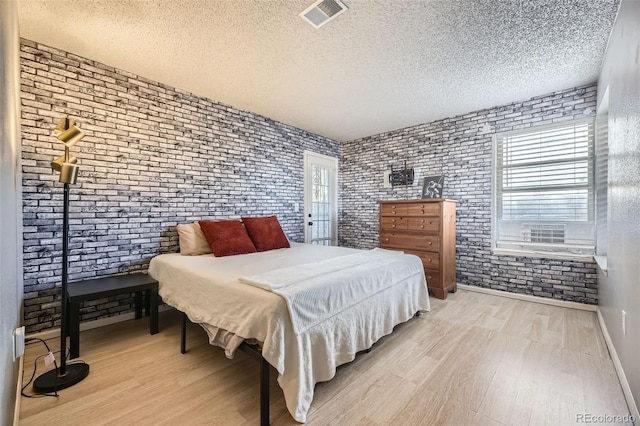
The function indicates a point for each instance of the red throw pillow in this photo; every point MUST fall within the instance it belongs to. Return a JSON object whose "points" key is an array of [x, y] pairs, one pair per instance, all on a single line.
{"points": [[227, 237], [266, 233]]}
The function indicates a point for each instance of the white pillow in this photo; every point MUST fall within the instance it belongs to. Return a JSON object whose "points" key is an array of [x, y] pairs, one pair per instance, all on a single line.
{"points": [[192, 240]]}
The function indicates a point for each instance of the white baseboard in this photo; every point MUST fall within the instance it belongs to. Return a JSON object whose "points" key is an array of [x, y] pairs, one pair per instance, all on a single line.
{"points": [[90, 325], [626, 389], [528, 298], [16, 411]]}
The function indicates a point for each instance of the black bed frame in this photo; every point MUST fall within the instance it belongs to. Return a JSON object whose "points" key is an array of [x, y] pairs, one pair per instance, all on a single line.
{"points": [[253, 351]]}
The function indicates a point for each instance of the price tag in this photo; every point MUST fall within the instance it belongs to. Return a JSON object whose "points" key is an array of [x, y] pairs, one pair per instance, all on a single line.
{"points": [[49, 359]]}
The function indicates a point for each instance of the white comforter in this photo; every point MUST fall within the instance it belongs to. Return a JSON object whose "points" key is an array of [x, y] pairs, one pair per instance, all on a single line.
{"points": [[338, 282], [207, 289]]}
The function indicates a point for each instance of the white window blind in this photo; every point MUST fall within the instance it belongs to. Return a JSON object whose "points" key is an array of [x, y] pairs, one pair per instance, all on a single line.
{"points": [[544, 189], [601, 183]]}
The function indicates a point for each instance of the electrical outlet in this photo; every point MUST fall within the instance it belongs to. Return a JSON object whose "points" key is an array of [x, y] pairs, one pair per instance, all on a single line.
{"points": [[18, 342], [624, 323], [386, 179]]}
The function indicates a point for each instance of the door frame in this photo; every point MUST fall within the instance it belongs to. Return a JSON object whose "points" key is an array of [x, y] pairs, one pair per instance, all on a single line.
{"points": [[331, 162]]}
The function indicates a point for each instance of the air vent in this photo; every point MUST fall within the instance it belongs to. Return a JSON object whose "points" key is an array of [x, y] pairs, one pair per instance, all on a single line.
{"points": [[546, 234], [323, 11]]}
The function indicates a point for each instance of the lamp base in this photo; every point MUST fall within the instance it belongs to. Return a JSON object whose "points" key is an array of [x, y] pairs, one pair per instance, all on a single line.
{"points": [[50, 381]]}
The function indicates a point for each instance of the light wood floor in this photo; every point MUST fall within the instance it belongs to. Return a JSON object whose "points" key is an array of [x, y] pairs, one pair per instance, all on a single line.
{"points": [[475, 359]]}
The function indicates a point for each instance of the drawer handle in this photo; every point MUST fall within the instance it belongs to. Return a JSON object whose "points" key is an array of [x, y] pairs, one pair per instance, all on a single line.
{"points": [[386, 240], [394, 212], [421, 211], [429, 277], [421, 226], [421, 220], [393, 226], [430, 243], [393, 207], [428, 259], [422, 206]]}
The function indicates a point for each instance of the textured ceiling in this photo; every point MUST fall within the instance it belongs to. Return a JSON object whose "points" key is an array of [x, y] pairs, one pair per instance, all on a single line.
{"points": [[380, 66]]}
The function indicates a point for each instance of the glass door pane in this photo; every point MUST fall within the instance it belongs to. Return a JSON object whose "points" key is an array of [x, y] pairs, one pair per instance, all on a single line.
{"points": [[320, 199]]}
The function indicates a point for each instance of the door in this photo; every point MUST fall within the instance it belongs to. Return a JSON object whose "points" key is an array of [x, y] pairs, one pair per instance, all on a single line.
{"points": [[320, 199]]}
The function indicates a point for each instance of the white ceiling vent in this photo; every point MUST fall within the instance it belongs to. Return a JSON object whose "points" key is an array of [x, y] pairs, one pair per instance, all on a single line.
{"points": [[323, 11]]}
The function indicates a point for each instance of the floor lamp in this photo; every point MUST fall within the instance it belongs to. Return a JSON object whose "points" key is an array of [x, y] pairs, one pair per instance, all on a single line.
{"points": [[64, 375]]}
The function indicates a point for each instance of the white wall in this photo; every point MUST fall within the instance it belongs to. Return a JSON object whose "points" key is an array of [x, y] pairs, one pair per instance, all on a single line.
{"points": [[10, 205], [621, 289]]}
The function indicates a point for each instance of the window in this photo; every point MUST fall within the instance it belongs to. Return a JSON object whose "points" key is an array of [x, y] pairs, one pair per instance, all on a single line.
{"points": [[544, 191]]}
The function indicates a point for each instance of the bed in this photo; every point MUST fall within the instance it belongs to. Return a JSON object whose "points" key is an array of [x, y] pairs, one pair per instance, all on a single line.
{"points": [[216, 293]]}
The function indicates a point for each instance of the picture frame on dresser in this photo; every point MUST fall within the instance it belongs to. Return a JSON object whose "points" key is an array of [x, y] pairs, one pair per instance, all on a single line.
{"points": [[433, 187]]}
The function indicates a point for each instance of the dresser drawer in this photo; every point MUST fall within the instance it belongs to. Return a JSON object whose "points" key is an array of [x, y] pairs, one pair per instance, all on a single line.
{"points": [[423, 209], [433, 277], [430, 224], [410, 241], [430, 260], [392, 223], [393, 210]]}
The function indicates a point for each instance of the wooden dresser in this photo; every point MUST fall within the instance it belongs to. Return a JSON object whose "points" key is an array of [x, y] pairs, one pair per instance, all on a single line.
{"points": [[426, 228]]}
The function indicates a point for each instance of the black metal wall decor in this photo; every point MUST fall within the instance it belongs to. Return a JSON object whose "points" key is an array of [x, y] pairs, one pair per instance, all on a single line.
{"points": [[402, 177]]}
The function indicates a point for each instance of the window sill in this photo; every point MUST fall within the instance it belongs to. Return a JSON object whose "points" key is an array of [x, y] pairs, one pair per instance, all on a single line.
{"points": [[602, 264], [544, 255]]}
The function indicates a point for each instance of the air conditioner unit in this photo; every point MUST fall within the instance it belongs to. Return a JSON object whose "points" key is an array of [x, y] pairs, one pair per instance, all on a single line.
{"points": [[544, 233]]}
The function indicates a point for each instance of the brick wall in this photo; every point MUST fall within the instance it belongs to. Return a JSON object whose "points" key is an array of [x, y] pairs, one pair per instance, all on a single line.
{"points": [[154, 156], [461, 149]]}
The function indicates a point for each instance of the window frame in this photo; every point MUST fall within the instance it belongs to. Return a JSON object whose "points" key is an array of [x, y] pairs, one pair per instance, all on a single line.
{"points": [[536, 250], [601, 174]]}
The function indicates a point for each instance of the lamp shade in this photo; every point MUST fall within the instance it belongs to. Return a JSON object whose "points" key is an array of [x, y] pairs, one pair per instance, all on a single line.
{"points": [[67, 132], [71, 136], [69, 173], [57, 163], [63, 125]]}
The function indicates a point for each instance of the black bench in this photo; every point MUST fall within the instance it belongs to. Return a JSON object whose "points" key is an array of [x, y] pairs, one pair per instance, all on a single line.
{"points": [[96, 288]]}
